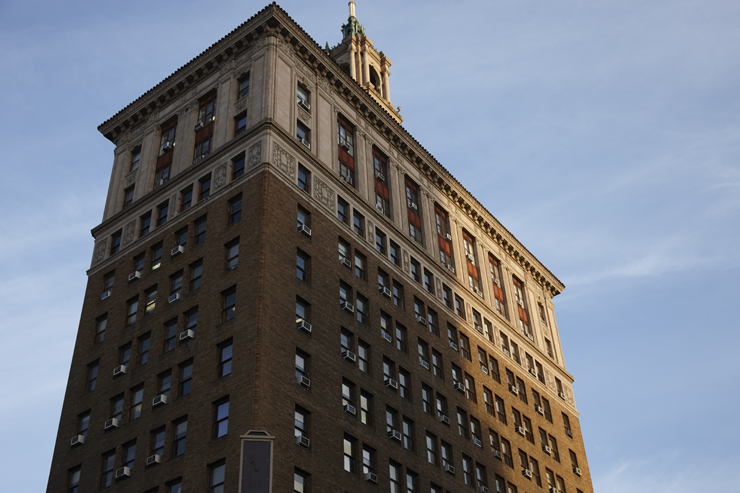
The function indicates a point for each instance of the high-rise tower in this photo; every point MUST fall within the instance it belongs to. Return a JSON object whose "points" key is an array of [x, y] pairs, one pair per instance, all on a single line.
{"points": [[269, 175]]}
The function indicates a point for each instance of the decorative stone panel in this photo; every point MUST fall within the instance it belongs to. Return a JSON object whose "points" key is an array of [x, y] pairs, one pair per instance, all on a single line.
{"points": [[99, 252], [283, 160], [255, 154], [323, 193], [219, 176], [131, 177], [128, 232]]}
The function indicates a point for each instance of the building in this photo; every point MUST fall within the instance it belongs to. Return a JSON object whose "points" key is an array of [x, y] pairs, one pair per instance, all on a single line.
{"points": [[271, 173]]}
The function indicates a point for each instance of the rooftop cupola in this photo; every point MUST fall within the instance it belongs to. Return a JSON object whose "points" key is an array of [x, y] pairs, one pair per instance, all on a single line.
{"points": [[367, 66]]}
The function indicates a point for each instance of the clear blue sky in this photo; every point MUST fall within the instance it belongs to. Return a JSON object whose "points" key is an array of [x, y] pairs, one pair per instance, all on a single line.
{"points": [[605, 135]]}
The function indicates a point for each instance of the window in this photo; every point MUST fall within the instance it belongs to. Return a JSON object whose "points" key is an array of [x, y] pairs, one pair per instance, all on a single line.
{"points": [[540, 373], [426, 399], [462, 423], [475, 432], [186, 377], [132, 307], [470, 388], [83, 423], [186, 198], [561, 484], [423, 349], [441, 405], [151, 301], [394, 473], [106, 476], [360, 266], [115, 243], [480, 475], [391, 419], [349, 446], [179, 437], [304, 179], [414, 211], [347, 340], [528, 429], [100, 325], [116, 407], [220, 417], [302, 310], [301, 364], [166, 146], [559, 387], [415, 270], [566, 425], [428, 281], [165, 383], [465, 347], [546, 408], [235, 209], [395, 251], [498, 289], [135, 159], [348, 393], [157, 441], [240, 126], [181, 237], [404, 383], [124, 354], [217, 477], [368, 459], [128, 196], [344, 252], [342, 210], [398, 295], [554, 447], [345, 292], [380, 241], [358, 222], [304, 99], [196, 272], [173, 487], [573, 459], [522, 390], [345, 141], [303, 217], [534, 467], [389, 370], [452, 336], [225, 353], [459, 307], [380, 164], [300, 481], [145, 223], [433, 322], [383, 279], [446, 454], [300, 422], [431, 441], [500, 410], [243, 86], [191, 319], [366, 408], [170, 335], [506, 452], [162, 211], [515, 352], [302, 265], [73, 479], [385, 324], [493, 364], [228, 310], [232, 254], [447, 296], [470, 260], [156, 256], [200, 230], [401, 338], [437, 365], [522, 308], [139, 263], [175, 286], [363, 356], [548, 346], [303, 134], [412, 482], [137, 397], [361, 309], [467, 466]]}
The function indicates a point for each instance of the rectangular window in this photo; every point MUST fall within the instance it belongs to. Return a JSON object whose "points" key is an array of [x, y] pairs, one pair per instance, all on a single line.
{"points": [[301, 364], [395, 251], [546, 408], [380, 164], [217, 477], [363, 356], [428, 281], [471, 262], [228, 310], [116, 407], [83, 423], [500, 410], [361, 308], [446, 454], [179, 437], [302, 265], [344, 252], [303, 134], [151, 301], [156, 439], [462, 423], [404, 383], [398, 295], [412, 482], [414, 212], [465, 347], [521, 302], [368, 459], [243, 86], [235, 209], [459, 307], [431, 441], [145, 223], [360, 266], [170, 335], [366, 407], [394, 473], [220, 417], [380, 241], [240, 126], [106, 476], [232, 254], [385, 327], [166, 146], [415, 270], [447, 296], [100, 325], [204, 187], [470, 388], [300, 422], [175, 286], [444, 238], [162, 211], [186, 377], [300, 481], [433, 322], [349, 446], [225, 354], [128, 196], [467, 466], [137, 397], [358, 222], [302, 310], [191, 319], [437, 364], [132, 306], [506, 452], [408, 434], [196, 272], [304, 97], [342, 210], [346, 153], [165, 383], [304, 179], [426, 399], [498, 288], [200, 230], [401, 338], [156, 256], [186, 198], [73, 479]]}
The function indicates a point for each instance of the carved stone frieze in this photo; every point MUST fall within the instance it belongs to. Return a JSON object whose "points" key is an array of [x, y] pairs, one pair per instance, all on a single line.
{"points": [[219, 175], [255, 154], [439, 288], [283, 160], [324, 193], [406, 261], [325, 86], [128, 233], [241, 103], [173, 206], [227, 67], [370, 231], [303, 115], [100, 248]]}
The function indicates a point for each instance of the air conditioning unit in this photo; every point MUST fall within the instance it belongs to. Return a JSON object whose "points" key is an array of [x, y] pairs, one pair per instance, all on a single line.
{"points": [[347, 306], [304, 142], [568, 432], [77, 440], [302, 441], [384, 291], [198, 126], [346, 146], [451, 268], [577, 470], [134, 275], [470, 257], [120, 369], [533, 371], [546, 449], [106, 294], [123, 472], [349, 356], [379, 206], [421, 320], [521, 430], [174, 297], [520, 302], [482, 489], [177, 250], [387, 337], [167, 146], [187, 334], [496, 282], [513, 390], [160, 183], [527, 473], [160, 400], [484, 369], [379, 176], [391, 384], [413, 205], [347, 178], [554, 490], [153, 459], [304, 104], [112, 423], [448, 237], [394, 435], [450, 469], [303, 325], [345, 262], [303, 380], [444, 419], [479, 292], [371, 477], [496, 454], [302, 228], [350, 409], [459, 386], [478, 327], [453, 345], [506, 351], [539, 410], [424, 363], [477, 442]]}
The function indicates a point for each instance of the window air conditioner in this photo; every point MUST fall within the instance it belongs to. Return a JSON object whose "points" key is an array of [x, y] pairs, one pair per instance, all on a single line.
{"points": [[448, 237], [496, 282], [387, 337], [482, 489], [123, 472], [380, 207], [424, 363], [174, 297], [554, 490], [513, 390], [346, 305], [160, 183], [134, 275], [167, 146], [111, 423], [412, 205], [153, 459], [187, 334], [470, 258], [346, 146], [394, 435], [496, 454], [345, 262], [77, 440], [304, 104], [520, 302], [478, 327], [459, 386], [478, 292], [506, 351], [198, 126], [303, 381], [561, 395], [577, 470], [349, 356], [120, 369], [533, 372], [453, 345], [546, 449], [484, 369], [177, 250], [385, 291], [450, 469], [391, 384], [539, 410], [305, 143], [160, 400], [379, 176], [347, 178], [477, 442], [527, 473], [350, 409], [421, 320], [302, 441], [302, 228], [444, 419], [303, 325], [521, 430], [371, 478], [451, 268], [568, 432], [106, 294]]}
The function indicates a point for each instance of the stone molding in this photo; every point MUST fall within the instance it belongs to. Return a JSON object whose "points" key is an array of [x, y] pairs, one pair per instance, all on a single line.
{"points": [[99, 252], [283, 160], [254, 154], [323, 193]]}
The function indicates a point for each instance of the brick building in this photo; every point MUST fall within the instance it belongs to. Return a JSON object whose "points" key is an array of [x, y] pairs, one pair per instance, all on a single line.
{"points": [[269, 174]]}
